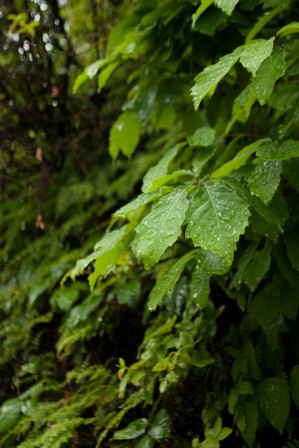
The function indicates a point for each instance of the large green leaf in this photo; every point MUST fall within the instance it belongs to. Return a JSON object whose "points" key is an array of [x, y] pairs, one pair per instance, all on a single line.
{"points": [[275, 401], [265, 179], [124, 135], [161, 227], [220, 217], [268, 73]]}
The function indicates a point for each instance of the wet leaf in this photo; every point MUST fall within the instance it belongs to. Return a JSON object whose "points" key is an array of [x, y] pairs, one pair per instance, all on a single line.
{"points": [[275, 402], [220, 217], [161, 227]]}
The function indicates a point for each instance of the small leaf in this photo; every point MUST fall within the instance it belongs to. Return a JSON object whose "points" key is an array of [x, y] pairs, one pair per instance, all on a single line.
{"points": [[242, 107], [265, 179], [252, 266], [239, 160], [202, 137], [200, 287], [124, 135], [167, 281], [275, 402], [206, 82], [279, 151], [133, 206], [288, 29], [132, 431], [257, 268], [160, 428], [161, 227], [220, 217], [200, 10], [268, 73], [9, 414], [255, 52], [105, 75], [266, 305], [157, 183], [161, 169]]}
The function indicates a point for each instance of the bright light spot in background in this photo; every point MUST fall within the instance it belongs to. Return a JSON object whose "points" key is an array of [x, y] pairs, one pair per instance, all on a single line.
{"points": [[43, 6], [48, 47], [45, 37], [26, 45]]}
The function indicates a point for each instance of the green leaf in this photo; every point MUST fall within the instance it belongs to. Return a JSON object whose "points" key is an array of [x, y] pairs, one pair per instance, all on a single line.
{"points": [[279, 151], [9, 414], [206, 82], [133, 206], [64, 298], [167, 281], [242, 107], [88, 73], [160, 428], [161, 227], [200, 10], [268, 73], [257, 268], [107, 257], [132, 431], [252, 266], [294, 384], [211, 262], [266, 305], [275, 401], [124, 135], [224, 433], [105, 75], [157, 183], [220, 217], [251, 422], [106, 244], [288, 29], [145, 442], [265, 179], [202, 137], [161, 169], [255, 52], [200, 287], [227, 6], [239, 160]]}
